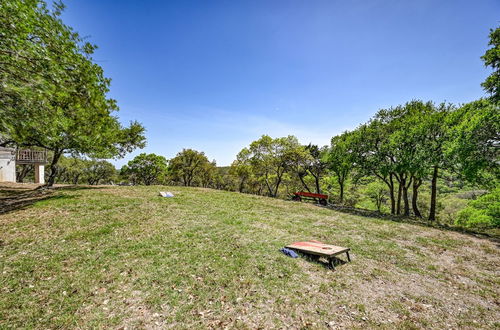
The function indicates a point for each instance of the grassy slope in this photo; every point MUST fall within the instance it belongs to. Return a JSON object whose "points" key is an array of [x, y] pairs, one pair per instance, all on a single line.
{"points": [[121, 256]]}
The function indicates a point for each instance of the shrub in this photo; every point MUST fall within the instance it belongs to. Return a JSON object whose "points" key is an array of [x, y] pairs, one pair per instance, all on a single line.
{"points": [[451, 206], [482, 212]]}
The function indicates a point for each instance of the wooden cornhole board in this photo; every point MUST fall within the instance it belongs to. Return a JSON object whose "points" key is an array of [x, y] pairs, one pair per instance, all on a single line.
{"points": [[320, 249]]}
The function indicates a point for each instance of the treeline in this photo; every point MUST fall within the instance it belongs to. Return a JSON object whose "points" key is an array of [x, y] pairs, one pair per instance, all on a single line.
{"points": [[75, 170], [391, 157], [53, 96], [388, 160], [402, 148]]}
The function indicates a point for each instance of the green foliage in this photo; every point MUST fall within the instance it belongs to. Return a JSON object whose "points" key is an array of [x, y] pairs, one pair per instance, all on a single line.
{"points": [[241, 170], [378, 194], [208, 174], [146, 169], [482, 212], [52, 94], [474, 144], [492, 58], [70, 170], [192, 168], [448, 207], [99, 171], [269, 159], [340, 158], [311, 166], [76, 170], [223, 179]]}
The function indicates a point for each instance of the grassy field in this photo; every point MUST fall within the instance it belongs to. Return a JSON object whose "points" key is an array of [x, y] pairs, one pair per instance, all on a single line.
{"points": [[123, 257]]}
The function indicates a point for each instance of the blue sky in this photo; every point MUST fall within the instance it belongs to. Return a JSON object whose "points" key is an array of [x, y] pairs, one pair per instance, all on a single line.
{"points": [[216, 75]]}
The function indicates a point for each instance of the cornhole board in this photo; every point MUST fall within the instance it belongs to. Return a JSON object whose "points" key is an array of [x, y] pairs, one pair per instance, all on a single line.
{"points": [[320, 249]]}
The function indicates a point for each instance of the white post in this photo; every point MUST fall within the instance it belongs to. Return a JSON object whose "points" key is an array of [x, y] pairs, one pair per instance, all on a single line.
{"points": [[39, 173]]}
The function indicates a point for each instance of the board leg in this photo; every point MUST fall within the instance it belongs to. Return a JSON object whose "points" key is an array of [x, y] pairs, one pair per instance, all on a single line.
{"points": [[348, 257]]}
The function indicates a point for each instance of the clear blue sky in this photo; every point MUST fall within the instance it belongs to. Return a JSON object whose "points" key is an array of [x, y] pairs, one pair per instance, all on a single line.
{"points": [[215, 75]]}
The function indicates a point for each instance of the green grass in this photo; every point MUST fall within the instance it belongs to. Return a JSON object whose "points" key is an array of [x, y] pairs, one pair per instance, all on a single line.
{"points": [[125, 257]]}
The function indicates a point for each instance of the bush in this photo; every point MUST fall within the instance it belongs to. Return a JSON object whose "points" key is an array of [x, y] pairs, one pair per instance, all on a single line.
{"points": [[482, 212], [375, 196], [450, 207]]}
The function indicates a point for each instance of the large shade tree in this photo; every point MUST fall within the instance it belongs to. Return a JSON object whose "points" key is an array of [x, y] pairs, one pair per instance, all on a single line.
{"points": [[242, 170], [98, 171], [372, 157], [52, 94], [436, 134], [474, 142], [75, 170], [146, 169], [340, 159], [311, 165], [188, 167], [492, 59], [270, 159]]}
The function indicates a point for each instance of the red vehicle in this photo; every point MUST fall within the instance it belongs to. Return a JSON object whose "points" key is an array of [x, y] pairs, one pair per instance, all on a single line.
{"points": [[298, 196]]}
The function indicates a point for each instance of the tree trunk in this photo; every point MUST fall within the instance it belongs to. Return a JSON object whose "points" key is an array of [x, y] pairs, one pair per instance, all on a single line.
{"points": [[378, 203], [53, 168], [390, 185], [400, 191], [406, 202], [24, 171], [189, 179], [269, 187], [391, 194], [406, 185], [242, 183], [414, 197], [277, 186], [316, 180], [432, 211], [341, 184], [301, 177]]}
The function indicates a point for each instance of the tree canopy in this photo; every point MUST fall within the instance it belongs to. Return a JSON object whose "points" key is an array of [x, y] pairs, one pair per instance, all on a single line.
{"points": [[492, 59], [52, 94], [146, 169], [190, 166]]}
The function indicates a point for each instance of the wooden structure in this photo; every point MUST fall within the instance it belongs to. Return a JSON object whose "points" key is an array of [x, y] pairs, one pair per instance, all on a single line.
{"points": [[319, 249], [10, 157], [37, 158], [28, 156], [298, 196]]}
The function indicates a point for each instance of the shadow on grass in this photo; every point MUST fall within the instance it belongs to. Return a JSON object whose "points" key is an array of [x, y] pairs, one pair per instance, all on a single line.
{"points": [[77, 187], [14, 198], [413, 220], [335, 261]]}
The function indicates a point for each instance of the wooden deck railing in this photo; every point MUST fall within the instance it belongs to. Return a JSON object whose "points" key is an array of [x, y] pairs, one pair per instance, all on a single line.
{"points": [[28, 156]]}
